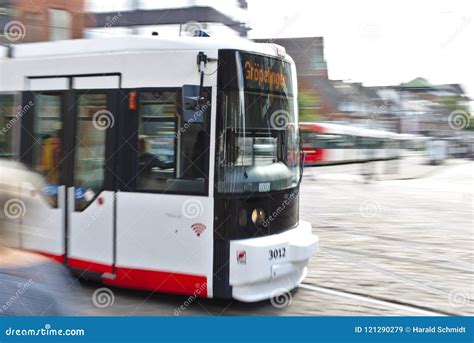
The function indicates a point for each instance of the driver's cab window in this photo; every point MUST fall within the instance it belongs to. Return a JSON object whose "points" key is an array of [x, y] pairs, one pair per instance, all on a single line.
{"points": [[173, 155]]}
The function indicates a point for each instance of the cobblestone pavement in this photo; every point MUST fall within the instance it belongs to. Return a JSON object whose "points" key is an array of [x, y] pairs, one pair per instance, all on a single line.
{"points": [[404, 240], [407, 241]]}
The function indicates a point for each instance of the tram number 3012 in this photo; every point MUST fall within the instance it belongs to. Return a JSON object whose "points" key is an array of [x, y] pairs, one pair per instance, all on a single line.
{"points": [[276, 254]]}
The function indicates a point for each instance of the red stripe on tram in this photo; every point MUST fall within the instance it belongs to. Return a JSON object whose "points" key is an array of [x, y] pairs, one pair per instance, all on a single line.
{"points": [[89, 266], [158, 281], [150, 280], [57, 258]]}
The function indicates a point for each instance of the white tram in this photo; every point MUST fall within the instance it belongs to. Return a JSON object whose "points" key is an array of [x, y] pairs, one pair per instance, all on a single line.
{"points": [[330, 144], [171, 165]]}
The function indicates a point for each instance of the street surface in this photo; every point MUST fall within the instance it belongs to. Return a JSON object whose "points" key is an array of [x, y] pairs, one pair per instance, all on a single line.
{"points": [[401, 244]]}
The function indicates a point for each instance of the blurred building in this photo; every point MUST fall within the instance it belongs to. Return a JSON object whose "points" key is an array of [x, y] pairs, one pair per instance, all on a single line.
{"points": [[431, 105], [422, 107], [322, 99], [6, 13], [307, 52], [416, 107], [311, 68], [350, 102], [33, 21], [168, 18]]}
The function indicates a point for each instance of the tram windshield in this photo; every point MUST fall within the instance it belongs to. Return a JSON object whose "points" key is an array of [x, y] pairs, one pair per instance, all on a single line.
{"points": [[258, 140]]}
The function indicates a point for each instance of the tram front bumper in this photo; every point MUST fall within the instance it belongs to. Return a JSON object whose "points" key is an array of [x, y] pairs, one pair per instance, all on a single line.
{"points": [[261, 268]]}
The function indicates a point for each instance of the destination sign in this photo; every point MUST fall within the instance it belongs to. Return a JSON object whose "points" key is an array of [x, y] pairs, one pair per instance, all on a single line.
{"points": [[266, 74]]}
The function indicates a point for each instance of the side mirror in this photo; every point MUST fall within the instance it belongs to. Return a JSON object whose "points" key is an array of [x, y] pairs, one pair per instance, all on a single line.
{"points": [[191, 104]]}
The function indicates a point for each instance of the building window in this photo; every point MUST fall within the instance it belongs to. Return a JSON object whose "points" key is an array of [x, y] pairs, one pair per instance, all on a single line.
{"points": [[60, 24], [34, 23]]}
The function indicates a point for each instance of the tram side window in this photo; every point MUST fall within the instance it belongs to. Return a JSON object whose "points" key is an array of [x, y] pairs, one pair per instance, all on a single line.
{"points": [[47, 132], [8, 123], [173, 155], [89, 166], [330, 141]]}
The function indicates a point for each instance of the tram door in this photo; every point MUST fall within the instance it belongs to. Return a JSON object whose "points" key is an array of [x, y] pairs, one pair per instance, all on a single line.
{"points": [[90, 195], [68, 137], [43, 201]]}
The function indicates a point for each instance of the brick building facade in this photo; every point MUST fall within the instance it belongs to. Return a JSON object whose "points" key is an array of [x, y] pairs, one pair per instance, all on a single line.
{"points": [[30, 21]]}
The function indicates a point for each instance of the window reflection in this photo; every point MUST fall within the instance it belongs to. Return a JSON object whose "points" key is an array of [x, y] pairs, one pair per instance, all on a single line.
{"points": [[47, 132], [8, 120], [173, 155], [89, 169]]}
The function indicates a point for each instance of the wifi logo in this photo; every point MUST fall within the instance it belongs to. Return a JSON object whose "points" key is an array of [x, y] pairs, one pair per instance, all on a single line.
{"points": [[198, 229]]}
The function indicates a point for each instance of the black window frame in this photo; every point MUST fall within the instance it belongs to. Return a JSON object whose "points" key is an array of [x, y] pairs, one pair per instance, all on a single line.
{"points": [[69, 112], [130, 133], [16, 127], [27, 140], [121, 172], [110, 151]]}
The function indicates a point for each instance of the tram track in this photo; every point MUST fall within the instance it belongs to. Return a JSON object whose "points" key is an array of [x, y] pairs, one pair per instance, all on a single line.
{"points": [[377, 300]]}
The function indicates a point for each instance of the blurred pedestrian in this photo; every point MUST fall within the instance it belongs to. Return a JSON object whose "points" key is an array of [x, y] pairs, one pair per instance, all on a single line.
{"points": [[30, 284]]}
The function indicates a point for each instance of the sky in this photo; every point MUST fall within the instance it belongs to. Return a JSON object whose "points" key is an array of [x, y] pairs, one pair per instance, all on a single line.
{"points": [[376, 42], [379, 42]]}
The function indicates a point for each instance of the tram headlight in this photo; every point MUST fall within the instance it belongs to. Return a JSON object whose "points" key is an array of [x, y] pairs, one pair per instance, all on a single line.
{"points": [[258, 216]]}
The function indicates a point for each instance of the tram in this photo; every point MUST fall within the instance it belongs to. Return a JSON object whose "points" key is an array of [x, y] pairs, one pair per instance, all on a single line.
{"points": [[171, 165], [331, 144]]}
